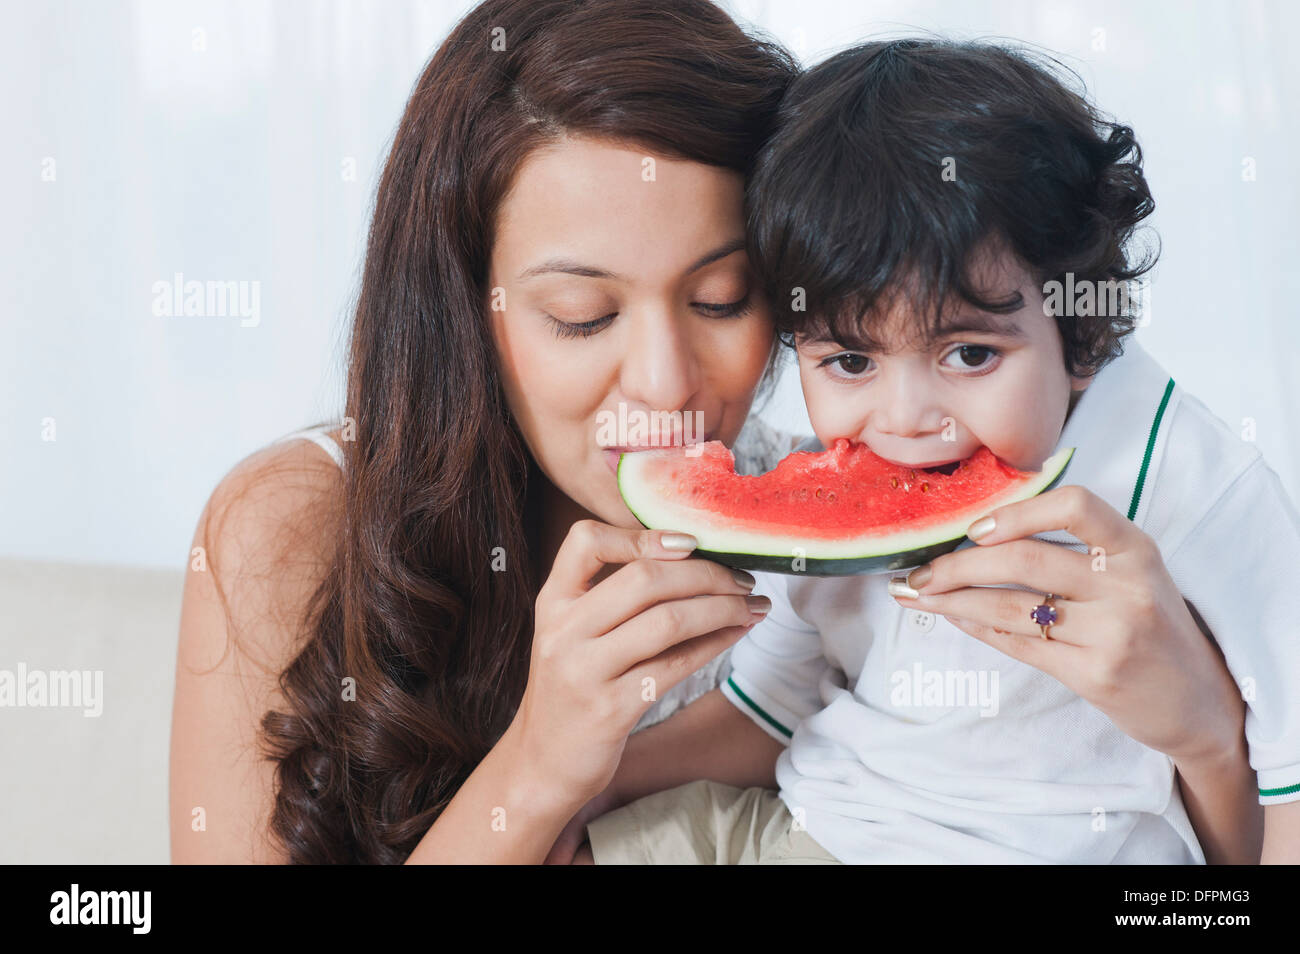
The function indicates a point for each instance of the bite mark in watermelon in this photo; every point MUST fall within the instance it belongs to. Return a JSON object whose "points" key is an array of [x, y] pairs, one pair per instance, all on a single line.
{"points": [[838, 512]]}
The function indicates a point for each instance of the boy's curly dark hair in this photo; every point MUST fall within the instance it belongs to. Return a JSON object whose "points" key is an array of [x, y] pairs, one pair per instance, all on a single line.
{"points": [[896, 162]]}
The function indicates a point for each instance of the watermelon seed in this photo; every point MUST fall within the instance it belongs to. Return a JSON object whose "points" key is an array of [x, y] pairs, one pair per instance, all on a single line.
{"points": [[818, 495], [924, 486], [893, 482], [830, 495]]}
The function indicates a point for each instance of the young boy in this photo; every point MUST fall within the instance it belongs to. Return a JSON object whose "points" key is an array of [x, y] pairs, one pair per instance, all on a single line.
{"points": [[943, 230]]}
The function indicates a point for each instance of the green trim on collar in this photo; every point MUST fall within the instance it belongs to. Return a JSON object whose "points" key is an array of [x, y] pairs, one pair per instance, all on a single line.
{"points": [[757, 708], [1151, 443]]}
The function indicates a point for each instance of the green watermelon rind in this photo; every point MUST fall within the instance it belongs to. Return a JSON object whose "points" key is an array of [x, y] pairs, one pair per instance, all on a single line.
{"points": [[884, 558]]}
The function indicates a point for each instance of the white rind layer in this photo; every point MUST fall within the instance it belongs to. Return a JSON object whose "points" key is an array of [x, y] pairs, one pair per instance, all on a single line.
{"points": [[660, 513]]}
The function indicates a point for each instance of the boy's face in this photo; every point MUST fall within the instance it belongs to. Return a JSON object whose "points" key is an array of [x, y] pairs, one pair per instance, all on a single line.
{"points": [[927, 404]]}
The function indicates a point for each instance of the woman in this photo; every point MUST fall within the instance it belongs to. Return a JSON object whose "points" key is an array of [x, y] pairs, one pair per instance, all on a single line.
{"points": [[442, 648]]}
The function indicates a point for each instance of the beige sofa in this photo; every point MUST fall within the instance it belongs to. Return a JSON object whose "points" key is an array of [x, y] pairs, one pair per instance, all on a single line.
{"points": [[93, 790], [79, 789]]}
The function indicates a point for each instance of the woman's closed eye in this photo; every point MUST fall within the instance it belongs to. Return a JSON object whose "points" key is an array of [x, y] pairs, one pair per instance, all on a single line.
{"points": [[584, 329], [578, 329], [730, 309]]}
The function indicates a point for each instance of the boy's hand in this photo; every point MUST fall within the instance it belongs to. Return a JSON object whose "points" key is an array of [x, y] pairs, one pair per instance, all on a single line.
{"points": [[1125, 639]]}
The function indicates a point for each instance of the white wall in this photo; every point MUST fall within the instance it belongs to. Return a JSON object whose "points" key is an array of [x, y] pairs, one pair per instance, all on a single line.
{"points": [[211, 139]]}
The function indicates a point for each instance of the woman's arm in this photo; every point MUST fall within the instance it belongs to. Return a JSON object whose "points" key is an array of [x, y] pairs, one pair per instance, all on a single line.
{"points": [[710, 738], [234, 641], [1222, 804], [656, 619], [222, 789], [1219, 787], [596, 649], [505, 813], [1282, 834]]}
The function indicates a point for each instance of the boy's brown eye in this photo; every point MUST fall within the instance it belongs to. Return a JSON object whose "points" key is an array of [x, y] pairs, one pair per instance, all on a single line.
{"points": [[973, 355], [971, 358], [845, 365]]}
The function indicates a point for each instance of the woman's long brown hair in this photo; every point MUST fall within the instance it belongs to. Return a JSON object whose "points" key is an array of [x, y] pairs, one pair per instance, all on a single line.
{"points": [[411, 608]]}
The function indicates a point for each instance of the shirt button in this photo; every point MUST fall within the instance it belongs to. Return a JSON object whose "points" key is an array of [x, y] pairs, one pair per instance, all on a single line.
{"points": [[920, 621]]}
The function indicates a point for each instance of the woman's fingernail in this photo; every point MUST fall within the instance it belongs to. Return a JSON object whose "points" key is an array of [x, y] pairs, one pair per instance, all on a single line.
{"points": [[981, 527], [920, 576], [744, 579], [758, 604], [678, 541], [898, 587]]}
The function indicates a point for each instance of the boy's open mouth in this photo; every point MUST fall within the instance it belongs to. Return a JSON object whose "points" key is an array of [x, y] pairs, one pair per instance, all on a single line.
{"points": [[943, 468]]}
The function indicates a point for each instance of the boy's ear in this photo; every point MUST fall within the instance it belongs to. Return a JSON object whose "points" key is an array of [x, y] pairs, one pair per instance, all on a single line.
{"points": [[1080, 384]]}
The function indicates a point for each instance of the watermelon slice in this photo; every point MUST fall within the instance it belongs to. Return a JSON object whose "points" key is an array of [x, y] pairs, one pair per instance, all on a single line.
{"points": [[838, 512]]}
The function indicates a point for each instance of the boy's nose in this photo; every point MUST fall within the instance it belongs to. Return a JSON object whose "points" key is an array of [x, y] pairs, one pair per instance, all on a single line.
{"points": [[904, 411]]}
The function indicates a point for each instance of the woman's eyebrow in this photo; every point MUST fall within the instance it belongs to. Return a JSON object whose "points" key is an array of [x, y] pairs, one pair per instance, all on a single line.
{"points": [[570, 266]]}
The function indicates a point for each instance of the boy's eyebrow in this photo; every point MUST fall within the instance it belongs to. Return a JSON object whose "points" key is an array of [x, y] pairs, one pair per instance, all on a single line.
{"points": [[979, 321]]}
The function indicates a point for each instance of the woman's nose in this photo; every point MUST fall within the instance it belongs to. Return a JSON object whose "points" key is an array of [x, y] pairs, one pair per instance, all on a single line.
{"points": [[660, 368]]}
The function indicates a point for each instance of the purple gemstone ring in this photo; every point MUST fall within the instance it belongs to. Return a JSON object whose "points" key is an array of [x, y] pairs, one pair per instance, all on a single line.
{"points": [[1044, 614]]}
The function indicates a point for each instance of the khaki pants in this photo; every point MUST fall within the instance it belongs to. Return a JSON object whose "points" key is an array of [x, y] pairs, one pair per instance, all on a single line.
{"points": [[704, 823]]}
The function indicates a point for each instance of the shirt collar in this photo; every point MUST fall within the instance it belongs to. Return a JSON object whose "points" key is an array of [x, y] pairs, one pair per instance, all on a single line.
{"points": [[1119, 429]]}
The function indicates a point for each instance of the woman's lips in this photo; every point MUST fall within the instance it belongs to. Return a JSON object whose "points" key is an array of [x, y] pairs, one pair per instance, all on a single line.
{"points": [[612, 454]]}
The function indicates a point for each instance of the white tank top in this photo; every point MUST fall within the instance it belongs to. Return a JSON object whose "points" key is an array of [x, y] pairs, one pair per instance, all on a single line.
{"points": [[319, 436]]}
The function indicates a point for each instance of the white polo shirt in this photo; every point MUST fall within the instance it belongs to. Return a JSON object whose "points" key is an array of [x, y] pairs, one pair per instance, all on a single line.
{"points": [[910, 741]]}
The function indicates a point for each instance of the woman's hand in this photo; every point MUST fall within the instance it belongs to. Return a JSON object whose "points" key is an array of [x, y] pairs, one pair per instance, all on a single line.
{"points": [[1125, 639], [602, 654]]}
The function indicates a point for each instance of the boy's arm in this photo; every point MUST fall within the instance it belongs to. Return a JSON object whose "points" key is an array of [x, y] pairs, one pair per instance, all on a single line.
{"points": [[710, 738], [1281, 834]]}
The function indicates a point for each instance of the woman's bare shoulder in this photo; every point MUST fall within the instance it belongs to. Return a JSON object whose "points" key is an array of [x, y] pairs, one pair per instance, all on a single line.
{"points": [[271, 526], [261, 548]]}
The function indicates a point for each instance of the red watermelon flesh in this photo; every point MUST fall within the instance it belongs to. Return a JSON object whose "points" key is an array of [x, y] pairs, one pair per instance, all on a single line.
{"points": [[845, 505]]}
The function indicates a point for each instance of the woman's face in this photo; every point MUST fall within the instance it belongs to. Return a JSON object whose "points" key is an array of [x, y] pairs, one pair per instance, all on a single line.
{"points": [[624, 310]]}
